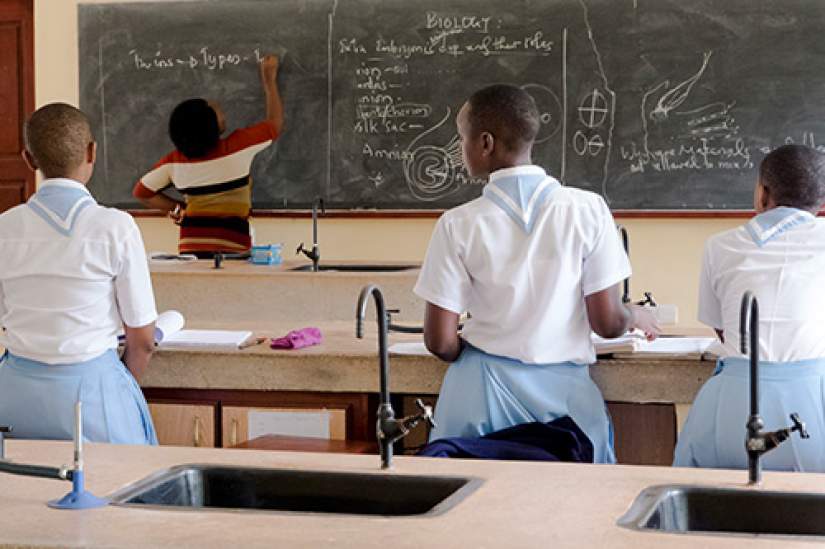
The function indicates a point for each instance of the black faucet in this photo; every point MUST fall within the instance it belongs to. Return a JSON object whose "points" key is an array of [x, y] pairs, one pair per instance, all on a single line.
{"points": [[315, 254], [757, 441], [388, 428], [626, 244]]}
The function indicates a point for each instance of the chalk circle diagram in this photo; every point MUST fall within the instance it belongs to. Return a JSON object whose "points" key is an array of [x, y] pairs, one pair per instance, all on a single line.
{"points": [[549, 108], [430, 171], [593, 109]]}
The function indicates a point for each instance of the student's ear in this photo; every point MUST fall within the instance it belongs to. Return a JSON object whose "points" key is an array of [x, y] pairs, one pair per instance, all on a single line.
{"points": [[29, 160], [91, 152], [761, 197], [488, 143]]}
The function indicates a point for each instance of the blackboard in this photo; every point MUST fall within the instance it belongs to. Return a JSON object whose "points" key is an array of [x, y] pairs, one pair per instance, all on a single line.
{"points": [[655, 104]]}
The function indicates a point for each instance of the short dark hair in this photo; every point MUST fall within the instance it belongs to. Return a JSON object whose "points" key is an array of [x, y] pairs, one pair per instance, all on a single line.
{"points": [[508, 112], [193, 128], [794, 176], [57, 136]]}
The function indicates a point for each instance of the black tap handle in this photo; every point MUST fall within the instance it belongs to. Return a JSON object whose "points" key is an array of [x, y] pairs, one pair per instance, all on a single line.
{"points": [[6, 429], [218, 259], [300, 248], [648, 300], [799, 425]]}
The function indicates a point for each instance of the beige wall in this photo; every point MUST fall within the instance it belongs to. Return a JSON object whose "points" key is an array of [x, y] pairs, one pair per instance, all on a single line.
{"points": [[665, 252]]}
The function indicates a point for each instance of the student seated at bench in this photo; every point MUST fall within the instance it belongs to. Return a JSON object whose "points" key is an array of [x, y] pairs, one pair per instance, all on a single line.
{"points": [[779, 255], [73, 276], [538, 266]]}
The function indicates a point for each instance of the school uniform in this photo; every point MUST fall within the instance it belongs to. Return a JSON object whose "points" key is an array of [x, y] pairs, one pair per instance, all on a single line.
{"points": [[217, 188], [73, 273], [520, 260], [779, 255]]}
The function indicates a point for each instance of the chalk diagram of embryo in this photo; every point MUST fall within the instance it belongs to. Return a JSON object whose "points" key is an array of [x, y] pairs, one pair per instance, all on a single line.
{"points": [[434, 171]]}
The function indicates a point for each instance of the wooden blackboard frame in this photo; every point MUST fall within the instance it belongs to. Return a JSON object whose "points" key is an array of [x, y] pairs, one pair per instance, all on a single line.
{"points": [[435, 214]]}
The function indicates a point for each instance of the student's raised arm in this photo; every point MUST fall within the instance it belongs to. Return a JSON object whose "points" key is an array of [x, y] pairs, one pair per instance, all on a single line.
{"points": [[269, 80]]}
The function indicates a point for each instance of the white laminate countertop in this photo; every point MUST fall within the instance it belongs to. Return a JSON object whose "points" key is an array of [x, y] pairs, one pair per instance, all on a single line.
{"points": [[520, 504]]}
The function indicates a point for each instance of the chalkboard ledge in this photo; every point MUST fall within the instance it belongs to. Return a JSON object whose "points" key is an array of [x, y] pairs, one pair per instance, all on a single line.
{"points": [[434, 214]]}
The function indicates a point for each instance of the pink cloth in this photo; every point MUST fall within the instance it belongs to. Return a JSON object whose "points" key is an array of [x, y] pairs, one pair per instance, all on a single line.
{"points": [[297, 339]]}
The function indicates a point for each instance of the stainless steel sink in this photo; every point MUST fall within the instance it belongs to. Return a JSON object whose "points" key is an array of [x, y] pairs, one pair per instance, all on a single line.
{"points": [[211, 486], [694, 509], [352, 268]]}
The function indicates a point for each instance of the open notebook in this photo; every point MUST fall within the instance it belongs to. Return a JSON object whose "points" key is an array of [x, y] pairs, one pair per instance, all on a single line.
{"points": [[169, 333], [635, 342]]}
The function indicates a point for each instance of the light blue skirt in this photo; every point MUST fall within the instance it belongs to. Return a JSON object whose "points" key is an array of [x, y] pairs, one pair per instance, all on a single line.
{"points": [[482, 393], [38, 400], [714, 433]]}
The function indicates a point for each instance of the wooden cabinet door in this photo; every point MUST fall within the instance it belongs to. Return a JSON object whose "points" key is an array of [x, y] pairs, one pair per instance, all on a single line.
{"points": [[241, 423], [184, 424], [16, 98]]}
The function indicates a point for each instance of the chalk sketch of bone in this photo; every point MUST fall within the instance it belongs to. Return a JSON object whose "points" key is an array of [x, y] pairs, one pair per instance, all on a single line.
{"points": [[677, 95]]}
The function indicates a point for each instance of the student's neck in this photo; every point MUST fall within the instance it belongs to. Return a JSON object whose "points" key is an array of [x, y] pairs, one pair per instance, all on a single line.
{"points": [[512, 162], [78, 176]]}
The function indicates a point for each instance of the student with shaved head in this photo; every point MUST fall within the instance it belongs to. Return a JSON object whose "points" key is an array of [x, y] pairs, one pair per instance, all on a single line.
{"points": [[778, 256], [537, 266], [74, 276]]}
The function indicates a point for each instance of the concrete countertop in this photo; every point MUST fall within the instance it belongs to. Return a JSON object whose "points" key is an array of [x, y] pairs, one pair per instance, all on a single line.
{"points": [[343, 363], [243, 292], [520, 504]]}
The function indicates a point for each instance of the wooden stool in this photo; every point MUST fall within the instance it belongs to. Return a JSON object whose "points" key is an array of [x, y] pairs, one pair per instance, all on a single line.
{"points": [[310, 444]]}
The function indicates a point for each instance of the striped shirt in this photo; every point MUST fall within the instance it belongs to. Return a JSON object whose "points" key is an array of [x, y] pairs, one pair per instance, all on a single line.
{"points": [[217, 188]]}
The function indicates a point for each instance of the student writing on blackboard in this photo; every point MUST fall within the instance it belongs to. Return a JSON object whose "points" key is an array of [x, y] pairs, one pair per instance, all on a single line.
{"points": [[212, 173], [779, 256], [537, 265]]}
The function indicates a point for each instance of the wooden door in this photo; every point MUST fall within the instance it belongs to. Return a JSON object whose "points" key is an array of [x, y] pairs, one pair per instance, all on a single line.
{"points": [[184, 424], [241, 423], [16, 98]]}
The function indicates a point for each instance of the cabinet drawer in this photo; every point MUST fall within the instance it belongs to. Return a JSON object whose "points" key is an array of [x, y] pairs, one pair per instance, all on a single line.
{"points": [[241, 423], [184, 424]]}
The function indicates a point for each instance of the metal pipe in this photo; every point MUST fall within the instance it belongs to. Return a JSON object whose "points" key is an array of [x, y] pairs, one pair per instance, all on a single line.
{"points": [[36, 471], [316, 254]]}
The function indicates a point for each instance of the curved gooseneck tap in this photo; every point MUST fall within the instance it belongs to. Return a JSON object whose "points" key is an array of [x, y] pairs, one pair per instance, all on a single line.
{"points": [[388, 428], [757, 441], [381, 314]]}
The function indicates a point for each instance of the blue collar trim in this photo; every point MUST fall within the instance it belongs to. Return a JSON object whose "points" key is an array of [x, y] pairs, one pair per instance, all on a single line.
{"points": [[521, 192], [768, 225], [59, 203]]}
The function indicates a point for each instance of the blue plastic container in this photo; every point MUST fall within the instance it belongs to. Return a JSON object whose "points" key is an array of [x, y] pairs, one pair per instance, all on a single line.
{"points": [[266, 255]]}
